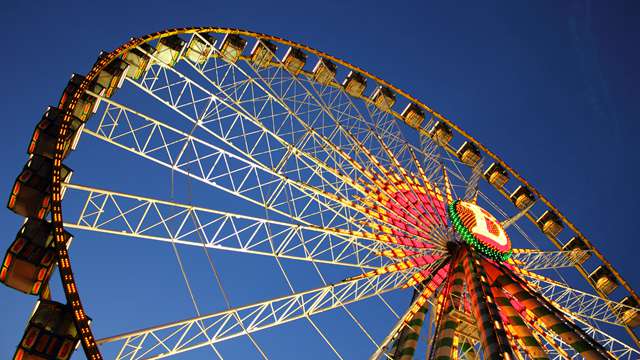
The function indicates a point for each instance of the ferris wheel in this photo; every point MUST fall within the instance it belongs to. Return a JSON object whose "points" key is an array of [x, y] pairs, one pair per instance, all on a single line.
{"points": [[210, 141]]}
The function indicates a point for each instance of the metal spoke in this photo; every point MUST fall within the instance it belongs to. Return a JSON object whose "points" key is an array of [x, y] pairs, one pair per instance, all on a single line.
{"points": [[168, 146], [170, 339], [145, 218], [321, 145], [579, 303], [474, 180], [540, 260]]}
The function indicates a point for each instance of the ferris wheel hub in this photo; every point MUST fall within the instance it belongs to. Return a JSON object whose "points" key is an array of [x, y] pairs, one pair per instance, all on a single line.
{"points": [[480, 229]]}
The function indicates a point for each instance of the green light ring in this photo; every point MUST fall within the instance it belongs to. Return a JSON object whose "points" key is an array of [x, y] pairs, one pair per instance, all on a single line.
{"points": [[471, 239]]}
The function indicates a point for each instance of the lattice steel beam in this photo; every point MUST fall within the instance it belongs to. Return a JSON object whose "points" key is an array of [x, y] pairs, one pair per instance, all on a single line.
{"points": [[146, 218], [178, 337], [579, 303], [258, 110], [540, 260]]}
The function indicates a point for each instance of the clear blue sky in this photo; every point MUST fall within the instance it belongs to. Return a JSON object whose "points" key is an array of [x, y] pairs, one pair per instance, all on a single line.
{"points": [[547, 85]]}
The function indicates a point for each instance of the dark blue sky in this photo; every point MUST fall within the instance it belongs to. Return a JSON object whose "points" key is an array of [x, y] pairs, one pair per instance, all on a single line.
{"points": [[551, 87]]}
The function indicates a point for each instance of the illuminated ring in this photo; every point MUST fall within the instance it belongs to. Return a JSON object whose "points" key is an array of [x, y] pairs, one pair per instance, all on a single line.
{"points": [[470, 238]]}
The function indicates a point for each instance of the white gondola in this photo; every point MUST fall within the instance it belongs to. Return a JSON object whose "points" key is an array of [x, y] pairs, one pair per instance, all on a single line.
{"points": [[522, 197], [200, 48], [324, 72], [262, 53], [441, 132], [603, 280], [50, 334], [468, 153], [550, 223], [383, 98], [232, 47], [112, 76], [413, 115], [31, 258], [294, 60], [496, 175], [139, 60], [86, 104], [45, 136], [31, 192], [169, 49], [354, 84]]}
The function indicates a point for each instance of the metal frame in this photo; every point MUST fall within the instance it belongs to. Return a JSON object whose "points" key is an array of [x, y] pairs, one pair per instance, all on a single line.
{"points": [[344, 212]]}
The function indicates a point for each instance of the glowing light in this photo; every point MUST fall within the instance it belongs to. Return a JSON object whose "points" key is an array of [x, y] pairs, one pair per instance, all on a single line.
{"points": [[478, 228]]}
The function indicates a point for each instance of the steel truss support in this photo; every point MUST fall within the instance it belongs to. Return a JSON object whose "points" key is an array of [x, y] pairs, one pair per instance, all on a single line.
{"points": [[242, 176], [288, 92], [541, 260], [170, 339], [579, 303], [180, 93], [145, 218]]}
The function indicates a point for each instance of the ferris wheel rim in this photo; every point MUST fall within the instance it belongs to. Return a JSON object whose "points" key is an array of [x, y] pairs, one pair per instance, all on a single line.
{"points": [[64, 265]]}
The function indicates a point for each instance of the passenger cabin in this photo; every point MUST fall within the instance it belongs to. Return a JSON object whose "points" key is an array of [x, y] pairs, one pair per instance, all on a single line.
{"points": [[87, 104], [578, 248], [496, 175], [441, 132], [31, 193], [324, 72], [468, 153], [603, 280], [139, 60], [354, 84], [232, 47], [50, 333], [200, 48], [522, 197], [169, 49], [294, 60], [45, 136], [413, 115], [383, 98], [262, 53], [30, 260], [550, 223], [629, 313], [112, 76]]}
